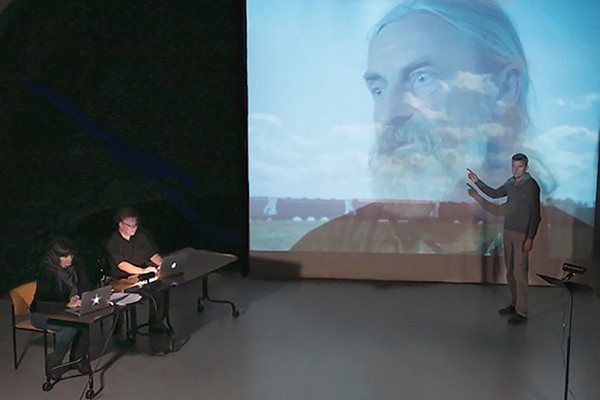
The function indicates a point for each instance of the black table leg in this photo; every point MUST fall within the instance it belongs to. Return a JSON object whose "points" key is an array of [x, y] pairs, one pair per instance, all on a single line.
{"points": [[206, 296], [126, 315], [132, 326], [170, 331]]}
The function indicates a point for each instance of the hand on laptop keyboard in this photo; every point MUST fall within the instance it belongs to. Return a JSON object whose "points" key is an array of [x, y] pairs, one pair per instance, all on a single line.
{"points": [[74, 302]]}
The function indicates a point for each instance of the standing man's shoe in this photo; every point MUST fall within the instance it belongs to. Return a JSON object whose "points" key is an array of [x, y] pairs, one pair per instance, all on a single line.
{"points": [[517, 319], [509, 310]]}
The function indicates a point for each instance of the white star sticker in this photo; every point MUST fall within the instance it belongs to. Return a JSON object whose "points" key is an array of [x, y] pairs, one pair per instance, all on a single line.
{"points": [[96, 300]]}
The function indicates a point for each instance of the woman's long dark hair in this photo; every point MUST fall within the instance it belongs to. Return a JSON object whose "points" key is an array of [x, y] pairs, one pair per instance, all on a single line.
{"points": [[61, 247]]}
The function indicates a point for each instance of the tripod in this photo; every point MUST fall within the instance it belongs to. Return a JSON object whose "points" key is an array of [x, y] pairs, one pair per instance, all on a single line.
{"points": [[572, 287]]}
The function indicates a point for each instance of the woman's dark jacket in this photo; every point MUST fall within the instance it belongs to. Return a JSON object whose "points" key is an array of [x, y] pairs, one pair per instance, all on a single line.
{"points": [[56, 284]]}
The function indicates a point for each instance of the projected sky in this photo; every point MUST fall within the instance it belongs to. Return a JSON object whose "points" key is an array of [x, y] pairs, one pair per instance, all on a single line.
{"points": [[320, 124]]}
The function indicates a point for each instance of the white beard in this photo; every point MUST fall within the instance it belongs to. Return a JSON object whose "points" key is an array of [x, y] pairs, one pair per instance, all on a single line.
{"points": [[428, 160]]}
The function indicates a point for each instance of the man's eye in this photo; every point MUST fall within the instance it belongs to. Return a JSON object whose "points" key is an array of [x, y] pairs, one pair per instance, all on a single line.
{"points": [[425, 83], [376, 92], [422, 78]]}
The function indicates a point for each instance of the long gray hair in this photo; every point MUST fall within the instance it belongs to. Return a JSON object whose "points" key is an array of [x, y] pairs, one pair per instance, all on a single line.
{"points": [[490, 29]]}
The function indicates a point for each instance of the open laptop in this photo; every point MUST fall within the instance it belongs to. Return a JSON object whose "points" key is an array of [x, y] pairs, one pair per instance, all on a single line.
{"points": [[173, 264], [93, 300]]}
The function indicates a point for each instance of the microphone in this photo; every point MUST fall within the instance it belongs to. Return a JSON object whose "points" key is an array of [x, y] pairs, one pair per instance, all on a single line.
{"points": [[573, 269]]}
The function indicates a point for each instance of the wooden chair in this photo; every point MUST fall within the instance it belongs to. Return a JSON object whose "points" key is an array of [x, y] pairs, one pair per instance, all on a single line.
{"points": [[21, 298]]}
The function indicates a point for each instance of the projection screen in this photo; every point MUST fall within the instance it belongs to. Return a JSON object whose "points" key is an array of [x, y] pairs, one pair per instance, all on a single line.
{"points": [[365, 115]]}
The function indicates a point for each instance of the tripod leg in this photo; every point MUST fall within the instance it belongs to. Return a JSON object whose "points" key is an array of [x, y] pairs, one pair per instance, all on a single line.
{"points": [[569, 345]]}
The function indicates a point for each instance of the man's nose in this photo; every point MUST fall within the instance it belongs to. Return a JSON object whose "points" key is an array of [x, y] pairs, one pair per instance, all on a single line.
{"points": [[394, 108]]}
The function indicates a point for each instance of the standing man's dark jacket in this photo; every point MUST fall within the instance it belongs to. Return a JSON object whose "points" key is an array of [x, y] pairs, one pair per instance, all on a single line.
{"points": [[522, 212]]}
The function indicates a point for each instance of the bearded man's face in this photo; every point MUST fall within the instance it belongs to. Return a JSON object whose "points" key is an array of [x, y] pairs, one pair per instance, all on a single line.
{"points": [[432, 109]]}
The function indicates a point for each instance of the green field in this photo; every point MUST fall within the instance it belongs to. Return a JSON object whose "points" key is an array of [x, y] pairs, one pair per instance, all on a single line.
{"points": [[278, 235], [554, 241]]}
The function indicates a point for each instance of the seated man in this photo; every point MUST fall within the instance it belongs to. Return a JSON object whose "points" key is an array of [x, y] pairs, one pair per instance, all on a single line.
{"points": [[132, 252]]}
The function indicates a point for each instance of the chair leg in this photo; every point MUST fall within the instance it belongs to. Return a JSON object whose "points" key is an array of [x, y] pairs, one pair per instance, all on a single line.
{"points": [[14, 332], [45, 345]]}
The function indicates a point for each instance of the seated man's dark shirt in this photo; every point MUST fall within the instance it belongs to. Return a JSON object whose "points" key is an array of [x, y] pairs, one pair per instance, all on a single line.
{"points": [[137, 251]]}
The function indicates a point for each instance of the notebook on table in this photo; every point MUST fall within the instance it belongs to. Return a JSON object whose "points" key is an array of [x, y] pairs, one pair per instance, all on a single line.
{"points": [[93, 300], [122, 299]]}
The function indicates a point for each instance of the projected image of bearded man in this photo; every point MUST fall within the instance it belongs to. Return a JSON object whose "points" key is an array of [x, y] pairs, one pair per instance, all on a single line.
{"points": [[444, 98]]}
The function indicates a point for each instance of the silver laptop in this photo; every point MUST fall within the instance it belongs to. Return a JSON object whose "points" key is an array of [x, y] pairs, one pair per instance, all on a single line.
{"points": [[93, 300], [173, 264]]}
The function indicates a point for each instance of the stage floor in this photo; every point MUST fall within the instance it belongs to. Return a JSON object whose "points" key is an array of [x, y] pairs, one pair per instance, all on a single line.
{"points": [[314, 339]]}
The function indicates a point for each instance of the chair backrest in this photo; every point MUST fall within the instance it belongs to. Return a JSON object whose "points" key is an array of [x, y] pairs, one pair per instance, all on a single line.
{"points": [[21, 297]]}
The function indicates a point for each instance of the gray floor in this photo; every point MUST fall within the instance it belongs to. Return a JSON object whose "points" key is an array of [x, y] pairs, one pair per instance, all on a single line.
{"points": [[341, 340]]}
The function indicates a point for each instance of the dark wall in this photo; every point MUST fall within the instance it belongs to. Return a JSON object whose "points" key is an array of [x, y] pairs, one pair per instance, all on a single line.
{"points": [[113, 103]]}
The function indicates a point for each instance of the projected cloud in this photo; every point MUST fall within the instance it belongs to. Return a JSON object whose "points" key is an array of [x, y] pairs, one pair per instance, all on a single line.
{"points": [[283, 163], [584, 103]]}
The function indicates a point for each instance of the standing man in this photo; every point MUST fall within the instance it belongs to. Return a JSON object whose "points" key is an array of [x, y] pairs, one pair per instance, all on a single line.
{"points": [[132, 252], [521, 221]]}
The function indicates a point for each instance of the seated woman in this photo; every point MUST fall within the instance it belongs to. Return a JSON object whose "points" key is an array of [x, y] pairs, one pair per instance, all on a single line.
{"points": [[62, 280]]}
